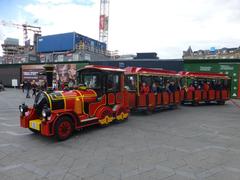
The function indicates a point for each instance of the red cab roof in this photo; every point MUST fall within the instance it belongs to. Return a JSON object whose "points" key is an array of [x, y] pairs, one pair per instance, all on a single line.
{"points": [[104, 68], [203, 75], [149, 71]]}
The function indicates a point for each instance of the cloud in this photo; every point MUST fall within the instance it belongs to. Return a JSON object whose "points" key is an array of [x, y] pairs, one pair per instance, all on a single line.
{"points": [[65, 17], [57, 2], [169, 27], [166, 27]]}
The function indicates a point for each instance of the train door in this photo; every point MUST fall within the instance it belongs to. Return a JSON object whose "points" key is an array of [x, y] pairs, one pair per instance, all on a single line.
{"points": [[225, 94], [157, 89], [113, 89], [165, 93], [211, 92], [197, 96], [183, 88], [131, 87]]}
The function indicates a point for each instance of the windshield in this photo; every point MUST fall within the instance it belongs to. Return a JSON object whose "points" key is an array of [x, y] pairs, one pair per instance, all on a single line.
{"points": [[91, 81], [41, 99], [40, 102]]}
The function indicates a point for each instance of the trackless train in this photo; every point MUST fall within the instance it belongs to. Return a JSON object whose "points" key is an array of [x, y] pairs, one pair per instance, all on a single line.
{"points": [[204, 88], [106, 94], [150, 89]]}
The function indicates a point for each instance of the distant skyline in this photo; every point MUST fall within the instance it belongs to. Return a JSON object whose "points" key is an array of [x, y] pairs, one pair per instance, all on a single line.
{"points": [[165, 27]]}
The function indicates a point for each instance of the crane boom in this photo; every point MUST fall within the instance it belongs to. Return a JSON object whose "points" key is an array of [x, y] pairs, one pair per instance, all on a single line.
{"points": [[25, 27]]}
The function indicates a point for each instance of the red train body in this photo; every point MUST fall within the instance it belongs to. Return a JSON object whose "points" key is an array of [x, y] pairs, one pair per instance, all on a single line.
{"points": [[150, 89], [61, 112], [204, 88]]}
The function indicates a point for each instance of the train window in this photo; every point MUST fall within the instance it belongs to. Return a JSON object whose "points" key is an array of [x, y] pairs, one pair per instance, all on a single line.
{"points": [[157, 84], [113, 83], [146, 79], [130, 82]]}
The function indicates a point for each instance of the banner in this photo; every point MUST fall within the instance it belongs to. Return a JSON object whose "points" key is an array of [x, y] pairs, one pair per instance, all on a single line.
{"points": [[62, 73], [102, 22], [31, 72]]}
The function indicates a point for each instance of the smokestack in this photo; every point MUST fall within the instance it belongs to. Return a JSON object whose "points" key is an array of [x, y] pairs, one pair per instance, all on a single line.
{"points": [[49, 74]]}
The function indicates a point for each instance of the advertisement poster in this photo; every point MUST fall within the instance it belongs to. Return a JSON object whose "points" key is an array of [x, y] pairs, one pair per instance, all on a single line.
{"points": [[31, 72], [66, 72], [62, 73]]}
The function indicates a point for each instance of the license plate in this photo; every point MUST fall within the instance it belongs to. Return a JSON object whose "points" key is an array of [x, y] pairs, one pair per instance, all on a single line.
{"points": [[35, 124]]}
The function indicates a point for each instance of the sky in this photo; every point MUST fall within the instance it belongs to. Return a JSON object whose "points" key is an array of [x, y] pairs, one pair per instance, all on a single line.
{"points": [[164, 26]]}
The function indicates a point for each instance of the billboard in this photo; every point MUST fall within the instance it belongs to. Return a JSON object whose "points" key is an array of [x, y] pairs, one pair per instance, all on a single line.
{"points": [[31, 72], [62, 73], [103, 23], [65, 72]]}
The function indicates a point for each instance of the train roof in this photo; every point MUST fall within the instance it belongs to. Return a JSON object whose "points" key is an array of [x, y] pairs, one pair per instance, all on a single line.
{"points": [[149, 71], [103, 68], [203, 75]]}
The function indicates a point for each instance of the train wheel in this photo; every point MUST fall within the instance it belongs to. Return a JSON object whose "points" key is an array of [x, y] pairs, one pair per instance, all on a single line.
{"points": [[121, 116], [207, 102], [221, 102], [63, 128], [106, 118], [195, 103], [148, 111]]}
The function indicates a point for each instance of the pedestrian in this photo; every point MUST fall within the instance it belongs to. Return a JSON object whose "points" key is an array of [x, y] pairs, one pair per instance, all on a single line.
{"points": [[34, 88], [28, 87], [23, 85]]}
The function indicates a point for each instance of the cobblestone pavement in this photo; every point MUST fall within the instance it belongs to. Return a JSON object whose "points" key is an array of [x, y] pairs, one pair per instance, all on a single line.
{"points": [[201, 143]]}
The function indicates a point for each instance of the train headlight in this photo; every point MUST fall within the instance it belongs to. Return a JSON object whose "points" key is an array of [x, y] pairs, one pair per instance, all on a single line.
{"points": [[46, 112], [23, 108]]}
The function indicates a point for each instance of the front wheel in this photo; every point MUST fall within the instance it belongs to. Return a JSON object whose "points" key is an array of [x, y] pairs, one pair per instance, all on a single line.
{"points": [[195, 103], [63, 128]]}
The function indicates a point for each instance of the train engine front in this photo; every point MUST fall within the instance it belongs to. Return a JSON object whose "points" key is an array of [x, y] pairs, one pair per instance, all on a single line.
{"points": [[59, 113]]}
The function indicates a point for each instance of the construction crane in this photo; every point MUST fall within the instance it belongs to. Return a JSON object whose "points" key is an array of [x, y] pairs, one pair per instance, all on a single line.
{"points": [[103, 21], [25, 27]]}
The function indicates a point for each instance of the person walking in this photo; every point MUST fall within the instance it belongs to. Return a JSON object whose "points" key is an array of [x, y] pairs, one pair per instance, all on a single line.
{"points": [[28, 87], [34, 88], [23, 85]]}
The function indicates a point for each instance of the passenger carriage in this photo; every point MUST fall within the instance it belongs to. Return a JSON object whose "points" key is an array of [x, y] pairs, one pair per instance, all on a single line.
{"points": [[100, 99], [151, 89], [204, 88]]}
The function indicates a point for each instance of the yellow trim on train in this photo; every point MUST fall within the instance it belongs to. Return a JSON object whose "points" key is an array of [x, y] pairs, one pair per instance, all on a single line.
{"points": [[80, 96], [49, 99], [122, 116], [72, 97], [64, 99]]}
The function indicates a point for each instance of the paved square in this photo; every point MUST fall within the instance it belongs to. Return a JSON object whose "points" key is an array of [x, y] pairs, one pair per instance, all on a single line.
{"points": [[186, 143]]}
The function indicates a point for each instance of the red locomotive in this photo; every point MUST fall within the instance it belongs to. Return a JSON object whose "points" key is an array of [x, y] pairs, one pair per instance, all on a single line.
{"points": [[100, 99], [150, 89], [204, 88]]}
